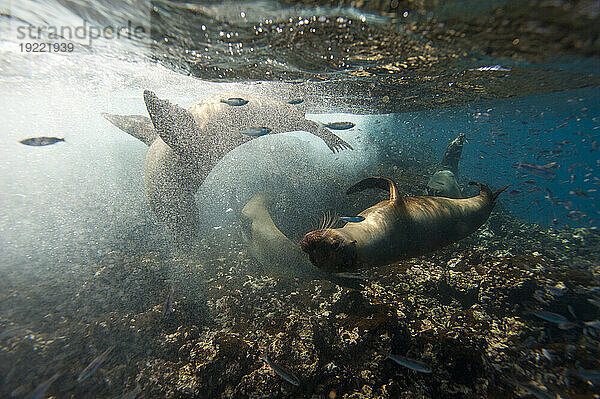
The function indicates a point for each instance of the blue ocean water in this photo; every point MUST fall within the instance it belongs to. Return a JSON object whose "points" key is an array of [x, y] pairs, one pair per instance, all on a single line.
{"points": [[559, 127]]}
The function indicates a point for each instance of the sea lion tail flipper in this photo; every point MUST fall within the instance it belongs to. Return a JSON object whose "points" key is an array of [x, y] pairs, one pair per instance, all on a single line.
{"points": [[484, 188], [453, 154], [382, 183], [175, 125], [334, 143], [496, 193], [137, 126]]}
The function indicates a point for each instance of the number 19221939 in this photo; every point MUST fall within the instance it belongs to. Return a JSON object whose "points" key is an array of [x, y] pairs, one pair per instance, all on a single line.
{"points": [[47, 47]]}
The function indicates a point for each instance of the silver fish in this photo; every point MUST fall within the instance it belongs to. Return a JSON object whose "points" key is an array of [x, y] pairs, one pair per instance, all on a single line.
{"points": [[411, 363], [169, 303], [282, 371], [547, 355], [557, 290], [537, 392], [43, 387], [594, 302], [340, 125], [594, 324], [256, 131], [352, 219], [566, 326], [89, 370], [550, 317], [41, 141], [296, 101], [234, 101]]}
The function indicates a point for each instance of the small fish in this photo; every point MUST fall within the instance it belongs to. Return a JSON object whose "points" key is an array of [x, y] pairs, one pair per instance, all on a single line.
{"points": [[550, 317], [567, 326], [549, 196], [256, 131], [282, 371], [579, 193], [89, 370], [296, 101], [544, 171], [594, 324], [547, 355], [234, 101], [41, 141], [491, 68], [43, 387], [352, 219], [340, 125], [411, 363], [169, 303], [558, 290], [537, 392]]}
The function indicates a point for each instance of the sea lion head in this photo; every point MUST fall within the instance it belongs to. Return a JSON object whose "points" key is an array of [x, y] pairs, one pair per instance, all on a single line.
{"points": [[443, 184], [330, 251]]}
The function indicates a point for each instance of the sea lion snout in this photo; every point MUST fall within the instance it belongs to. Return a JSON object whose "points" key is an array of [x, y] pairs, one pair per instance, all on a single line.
{"points": [[329, 251]]}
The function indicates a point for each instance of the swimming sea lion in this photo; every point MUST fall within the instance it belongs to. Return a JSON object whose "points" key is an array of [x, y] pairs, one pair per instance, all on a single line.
{"points": [[277, 253], [443, 182], [401, 227], [186, 144]]}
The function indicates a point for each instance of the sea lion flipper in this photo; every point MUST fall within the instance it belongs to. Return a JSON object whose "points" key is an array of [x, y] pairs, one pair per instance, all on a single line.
{"points": [[453, 154], [484, 188], [382, 183], [138, 126], [334, 143], [175, 125]]}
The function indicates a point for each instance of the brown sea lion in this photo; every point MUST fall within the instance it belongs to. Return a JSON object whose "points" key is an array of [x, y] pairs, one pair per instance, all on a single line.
{"points": [[401, 227]]}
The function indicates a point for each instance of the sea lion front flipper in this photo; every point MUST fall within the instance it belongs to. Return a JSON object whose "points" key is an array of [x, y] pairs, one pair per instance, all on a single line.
{"points": [[382, 183], [138, 126], [334, 143], [175, 125]]}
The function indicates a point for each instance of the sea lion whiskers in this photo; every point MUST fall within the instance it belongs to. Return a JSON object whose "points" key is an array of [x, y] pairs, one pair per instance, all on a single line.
{"points": [[328, 220]]}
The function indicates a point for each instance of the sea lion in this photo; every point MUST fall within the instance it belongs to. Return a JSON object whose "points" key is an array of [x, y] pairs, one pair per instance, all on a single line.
{"points": [[443, 182], [401, 227], [277, 253], [186, 144]]}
